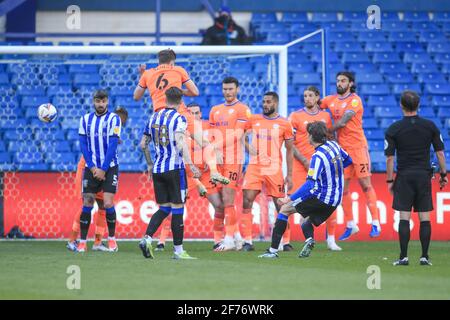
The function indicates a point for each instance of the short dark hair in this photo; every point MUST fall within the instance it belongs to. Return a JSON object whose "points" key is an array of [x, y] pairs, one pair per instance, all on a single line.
{"points": [[174, 95], [318, 131], [410, 100], [100, 94], [231, 80], [166, 56], [351, 78], [273, 94], [193, 104]]}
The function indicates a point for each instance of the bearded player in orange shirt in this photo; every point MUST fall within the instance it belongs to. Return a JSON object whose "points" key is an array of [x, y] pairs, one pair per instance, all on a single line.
{"points": [[268, 132], [303, 152], [100, 219], [347, 111], [228, 121]]}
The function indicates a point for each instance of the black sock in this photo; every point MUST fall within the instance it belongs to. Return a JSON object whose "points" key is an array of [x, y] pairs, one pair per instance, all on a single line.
{"points": [[425, 236], [155, 222], [85, 222], [278, 230], [111, 221], [177, 226], [308, 229], [403, 234]]}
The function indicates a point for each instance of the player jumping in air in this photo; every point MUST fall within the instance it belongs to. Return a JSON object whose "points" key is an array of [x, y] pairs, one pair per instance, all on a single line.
{"points": [[347, 111], [303, 151], [268, 131]]}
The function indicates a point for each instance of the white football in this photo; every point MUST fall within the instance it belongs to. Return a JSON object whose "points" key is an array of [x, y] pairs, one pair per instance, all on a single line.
{"points": [[47, 112]]}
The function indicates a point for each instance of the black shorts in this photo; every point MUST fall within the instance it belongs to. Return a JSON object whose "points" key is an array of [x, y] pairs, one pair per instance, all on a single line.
{"points": [[170, 186], [413, 191], [110, 184], [317, 211]]}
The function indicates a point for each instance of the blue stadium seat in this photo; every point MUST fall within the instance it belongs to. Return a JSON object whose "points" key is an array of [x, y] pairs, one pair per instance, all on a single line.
{"points": [[312, 47], [333, 68], [401, 36], [375, 145], [5, 157], [290, 17], [441, 101], [426, 112], [395, 26], [431, 77], [374, 89], [437, 122], [2, 146], [324, 17], [132, 43], [274, 27], [443, 112], [377, 156], [369, 78], [163, 43], [130, 157], [39, 167], [370, 123], [301, 67], [61, 167], [386, 57], [397, 89], [419, 67], [363, 67], [301, 29], [355, 58], [60, 157], [376, 46], [374, 134], [354, 16], [408, 47], [379, 167], [386, 122], [55, 146], [381, 101], [263, 17], [34, 101], [80, 79], [72, 134], [447, 124], [19, 134], [28, 157], [346, 47], [129, 102], [424, 26], [399, 77], [389, 16], [442, 58], [441, 16], [438, 47], [388, 112], [60, 89], [341, 36], [305, 78], [332, 57], [366, 36], [278, 38], [416, 57], [12, 122], [437, 89], [335, 25], [387, 68], [415, 16], [432, 36], [30, 90], [445, 68]]}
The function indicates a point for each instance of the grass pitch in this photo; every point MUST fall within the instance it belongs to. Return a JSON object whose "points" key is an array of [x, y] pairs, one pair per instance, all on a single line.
{"points": [[38, 270]]}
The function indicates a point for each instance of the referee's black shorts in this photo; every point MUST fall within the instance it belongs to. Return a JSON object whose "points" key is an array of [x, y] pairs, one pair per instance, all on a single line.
{"points": [[413, 190], [317, 211], [170, 186]]}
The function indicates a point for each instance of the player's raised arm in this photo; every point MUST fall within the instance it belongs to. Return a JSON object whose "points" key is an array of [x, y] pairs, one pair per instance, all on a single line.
{"points": [[142, 85], [191, 89]]}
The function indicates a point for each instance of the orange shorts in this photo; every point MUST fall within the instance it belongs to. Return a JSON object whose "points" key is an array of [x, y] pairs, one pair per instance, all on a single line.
{"points": [[361, 166], [255, 179], [232, 172], [299, 174]]}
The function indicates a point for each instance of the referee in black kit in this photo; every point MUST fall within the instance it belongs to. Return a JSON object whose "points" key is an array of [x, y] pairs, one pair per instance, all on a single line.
{"points": [[411, 138]]}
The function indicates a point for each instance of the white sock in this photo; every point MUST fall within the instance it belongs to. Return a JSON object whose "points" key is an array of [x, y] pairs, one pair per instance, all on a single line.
{"points": [[228, 239], [331, 239], [178, 249], [237, 235], [111, 238], [83, 241], [249, 241], [376, 223], [272, 250], [350, 224], [148, 238]]}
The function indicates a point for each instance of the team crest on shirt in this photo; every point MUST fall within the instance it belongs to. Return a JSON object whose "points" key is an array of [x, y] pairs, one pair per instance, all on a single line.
{"points": [[311, 172], [230, 111], [257, 124], [116, 130], [354, 103], [344, 105], [249, 114], [276, 126]]}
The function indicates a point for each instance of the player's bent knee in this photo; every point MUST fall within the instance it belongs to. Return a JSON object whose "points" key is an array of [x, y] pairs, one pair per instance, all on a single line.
{"points": [[88, 199]]}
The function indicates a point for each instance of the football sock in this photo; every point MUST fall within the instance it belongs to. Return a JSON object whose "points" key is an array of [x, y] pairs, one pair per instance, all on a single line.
{"points": [[218, 227], [100, 226], [85, 221], [371, 198], [308, 229], [230, 221], [287, 233], [75, 228], [403, 234], [111, 221], [278, 230], [425, 236], [331, 225], [165, 230], [347, 207], [177, 226], [246, 224], [156, 221]]}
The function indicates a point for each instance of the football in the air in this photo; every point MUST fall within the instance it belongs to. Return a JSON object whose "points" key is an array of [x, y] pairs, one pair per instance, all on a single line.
{"points": [[47, 112]]}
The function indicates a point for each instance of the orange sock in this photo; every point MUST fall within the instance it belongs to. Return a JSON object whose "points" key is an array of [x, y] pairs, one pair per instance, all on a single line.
{"points": [[75, 227], [347, 206], [371, 198], [100, 226], [287, 233], [218, 228], [230, 221], [165, 230], [247, 224], [331, 224]]}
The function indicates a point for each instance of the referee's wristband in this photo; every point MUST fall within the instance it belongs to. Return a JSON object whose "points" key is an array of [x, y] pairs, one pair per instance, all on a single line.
{"points": [[390, 181]]}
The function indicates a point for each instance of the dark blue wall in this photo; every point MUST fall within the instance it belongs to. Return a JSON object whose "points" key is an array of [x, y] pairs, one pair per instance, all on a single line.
{"points": [[22, 19], [250, 5]]}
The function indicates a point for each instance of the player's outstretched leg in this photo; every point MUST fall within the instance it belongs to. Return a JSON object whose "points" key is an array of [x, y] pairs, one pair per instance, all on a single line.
{"points": [[178, 234], [331, 228], [146, 243]]}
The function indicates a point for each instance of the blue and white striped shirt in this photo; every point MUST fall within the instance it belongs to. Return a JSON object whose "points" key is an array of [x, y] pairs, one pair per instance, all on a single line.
{"points": [[326, 175], [161, 127], [98, 131]]}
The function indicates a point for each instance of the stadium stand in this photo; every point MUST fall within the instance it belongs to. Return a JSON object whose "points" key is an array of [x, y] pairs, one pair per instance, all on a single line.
{"points": [[412, 53]]}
